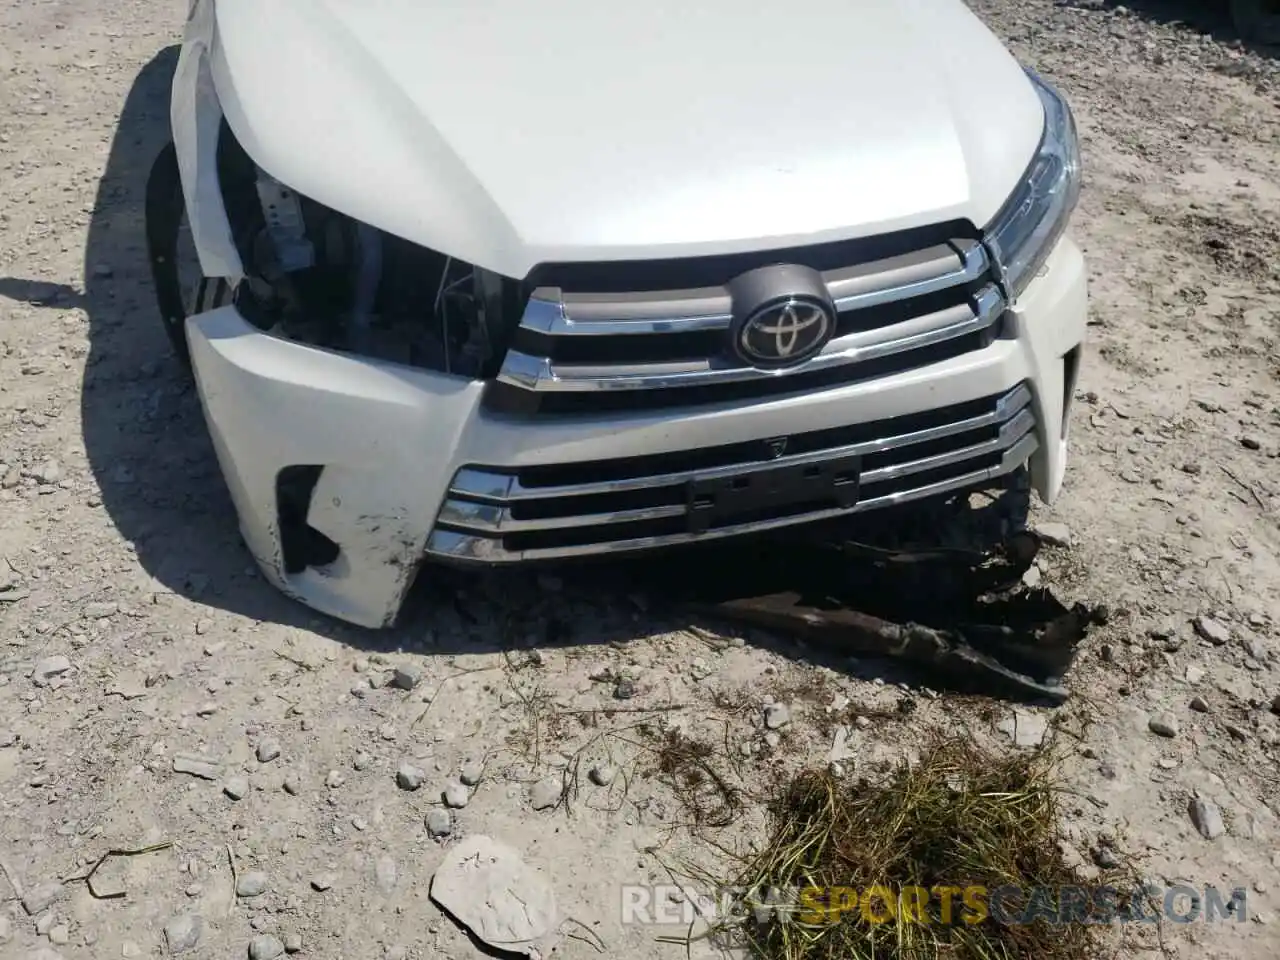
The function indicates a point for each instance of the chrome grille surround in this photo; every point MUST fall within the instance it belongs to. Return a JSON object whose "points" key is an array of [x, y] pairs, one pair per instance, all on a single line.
{"points": [[946, 296], [500, 515]]}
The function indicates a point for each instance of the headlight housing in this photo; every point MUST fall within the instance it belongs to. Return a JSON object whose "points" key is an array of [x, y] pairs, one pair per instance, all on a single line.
{"points": [[1031, 221], [317, 276]]}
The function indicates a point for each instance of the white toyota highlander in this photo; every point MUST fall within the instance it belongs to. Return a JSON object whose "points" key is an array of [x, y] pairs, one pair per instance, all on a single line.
{"points": [[497, 282]]}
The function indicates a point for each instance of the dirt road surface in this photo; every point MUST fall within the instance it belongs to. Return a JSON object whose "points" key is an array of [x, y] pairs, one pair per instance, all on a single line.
{"points": [[138, 645]]}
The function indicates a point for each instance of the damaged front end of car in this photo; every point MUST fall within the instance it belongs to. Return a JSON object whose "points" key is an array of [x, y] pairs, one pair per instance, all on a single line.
{"points": [[331, 516]]}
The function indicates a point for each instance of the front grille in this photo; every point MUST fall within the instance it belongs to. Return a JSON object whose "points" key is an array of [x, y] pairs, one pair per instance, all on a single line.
{"points": [[643, 349], [497, 515]]}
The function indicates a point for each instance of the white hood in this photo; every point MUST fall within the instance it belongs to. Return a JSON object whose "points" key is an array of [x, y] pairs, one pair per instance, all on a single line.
{"points": [[512, 132]]}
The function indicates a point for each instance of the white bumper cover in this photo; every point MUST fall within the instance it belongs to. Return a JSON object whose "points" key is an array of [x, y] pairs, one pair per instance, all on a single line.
{"points": [[389, 441]]}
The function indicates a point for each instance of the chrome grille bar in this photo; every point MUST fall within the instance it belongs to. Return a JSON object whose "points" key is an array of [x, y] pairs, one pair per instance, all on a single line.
{"points": [[493, 518], [915, 274], [485, 507], [543, 374], [488, 487]]}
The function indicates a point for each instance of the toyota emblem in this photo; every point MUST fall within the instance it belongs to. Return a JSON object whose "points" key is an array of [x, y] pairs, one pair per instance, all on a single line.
{"points": [[784, 333]]}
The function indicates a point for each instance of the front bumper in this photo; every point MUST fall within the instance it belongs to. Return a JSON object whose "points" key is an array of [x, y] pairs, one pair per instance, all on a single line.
{"points": [[406, 463]]}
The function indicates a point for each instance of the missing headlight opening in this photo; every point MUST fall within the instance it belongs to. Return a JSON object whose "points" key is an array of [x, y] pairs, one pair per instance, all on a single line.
{"points": [[319, 277]]}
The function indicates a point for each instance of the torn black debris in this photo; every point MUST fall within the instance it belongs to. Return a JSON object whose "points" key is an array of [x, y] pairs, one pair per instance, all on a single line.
{"points": [[963, 615]]}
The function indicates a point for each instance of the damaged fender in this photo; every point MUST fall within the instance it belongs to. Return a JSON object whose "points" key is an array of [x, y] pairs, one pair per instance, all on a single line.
{"points": [[195, 117]]}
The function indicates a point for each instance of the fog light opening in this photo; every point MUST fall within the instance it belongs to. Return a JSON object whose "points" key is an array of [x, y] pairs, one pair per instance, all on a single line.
{"points": [[301, 544], [1070, 371]]}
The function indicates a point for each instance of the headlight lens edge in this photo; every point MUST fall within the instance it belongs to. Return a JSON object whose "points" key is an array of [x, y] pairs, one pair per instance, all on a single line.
{"points": [[1024, 232]]}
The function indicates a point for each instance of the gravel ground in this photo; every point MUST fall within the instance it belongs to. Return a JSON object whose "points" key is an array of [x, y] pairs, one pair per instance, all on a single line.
{"points": [[154, 691]]}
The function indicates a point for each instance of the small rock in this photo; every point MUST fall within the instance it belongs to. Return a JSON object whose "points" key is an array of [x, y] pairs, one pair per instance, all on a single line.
{"points": [[406, 678], [1212, 630], [1056, 534], [1032, 577], [1163, 724], [322, 882], [1024, 728], [776, 716], [472, 773], [439, 823], [1207, 818], [265, 947], [196, 766], [292, 785], [602, 774], [237, 788], [335, 779], [1250, 443], [293, 943], [1105, 857], [51, 667], [1194, 674], [773, 739], [843, 749], [361, 761], [252, 884], [455, 795], [625, 689], [1255, 649], [183, 932], [546, 793], [268, 750], [700, 668], [203, 626], [41, 898], [48, 473], [100, 610], [1237, 732], [409, 777], [1199, 704]]}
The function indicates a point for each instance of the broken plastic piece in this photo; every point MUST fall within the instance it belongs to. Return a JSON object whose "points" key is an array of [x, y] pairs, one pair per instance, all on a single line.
{"points": [[963, 615], [486, 886]]}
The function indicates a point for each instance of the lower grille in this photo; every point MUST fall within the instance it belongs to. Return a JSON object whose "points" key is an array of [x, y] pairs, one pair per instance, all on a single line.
{"points": [[496, 515]]}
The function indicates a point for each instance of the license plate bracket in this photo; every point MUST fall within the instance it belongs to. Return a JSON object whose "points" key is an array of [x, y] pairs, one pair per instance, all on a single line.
{"points": [[828, 484]]}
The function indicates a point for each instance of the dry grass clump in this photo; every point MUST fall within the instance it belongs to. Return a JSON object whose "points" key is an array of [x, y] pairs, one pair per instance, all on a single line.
{"points": [[958, 819]]}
